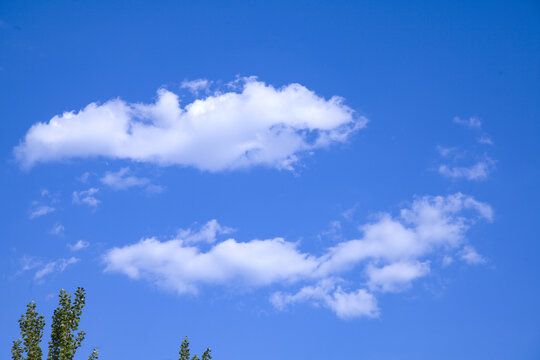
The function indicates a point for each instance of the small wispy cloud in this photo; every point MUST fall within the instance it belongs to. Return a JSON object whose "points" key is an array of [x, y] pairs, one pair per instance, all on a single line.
{"points": [[333, 231], [470, 256], [478, 171], [445, 151], [57, 229], [84, 177], [122, 179], [485, 140], [56, 266], [29, 263], [349, 213], [41, 210], [206, 233], [86, 197], [154, 189], [44, 206], [196, 86], [472, 122], [79, 245], [447, 260]]}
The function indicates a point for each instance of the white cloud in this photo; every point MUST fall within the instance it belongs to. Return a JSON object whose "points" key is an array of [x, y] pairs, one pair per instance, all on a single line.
{"points": [[486, 140], [445, 151], [472, 122], [207, 233], [478, 171], [154, 189], [396, 276], [390, 254], [430, 224], [196, 86], [349, 213], [447, 260], [122, 179], [41, 210], [86, 197], [326, 293], [54, 266], [57, 229], [181, 267], [333, 232], [470, 256], [29, 263], [79, 245], [259, 125], [84, 177]]}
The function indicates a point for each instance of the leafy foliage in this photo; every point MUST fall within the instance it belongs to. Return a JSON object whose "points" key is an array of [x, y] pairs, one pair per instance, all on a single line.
{"points": [[64, 343], [184, 352], [31, 325], [64, 339]]}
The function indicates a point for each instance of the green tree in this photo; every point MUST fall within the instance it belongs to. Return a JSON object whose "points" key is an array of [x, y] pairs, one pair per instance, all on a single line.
{"points": [[65, 340], [31, 325], [184, 352], [64, 337]]}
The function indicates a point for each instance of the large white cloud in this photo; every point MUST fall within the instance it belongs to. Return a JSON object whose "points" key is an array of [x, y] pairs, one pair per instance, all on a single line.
{"points": [[182, 267], [391, 253], [257, 125]]}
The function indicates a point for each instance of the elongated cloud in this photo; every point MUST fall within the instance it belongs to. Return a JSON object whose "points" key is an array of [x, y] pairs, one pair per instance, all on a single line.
{"points": [[329, 294], [122, 179], [391, 253], [55, 266], [258, 125], [478, 171], [472, 122], [41, 210]]}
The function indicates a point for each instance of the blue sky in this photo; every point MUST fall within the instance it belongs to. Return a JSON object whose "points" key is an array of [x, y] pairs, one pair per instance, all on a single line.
{"points": [[276, 179]]}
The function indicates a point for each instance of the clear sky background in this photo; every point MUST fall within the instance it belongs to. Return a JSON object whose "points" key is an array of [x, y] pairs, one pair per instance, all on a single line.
{"points": [[205, 194]]}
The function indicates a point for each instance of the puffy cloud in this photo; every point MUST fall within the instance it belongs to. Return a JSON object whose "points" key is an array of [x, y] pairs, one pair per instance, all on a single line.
{"points": [[326, 293], [122, 179], [396, 276], [86, 197], [181, 267], [391, 253], [428, 225], [257, 125]]}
